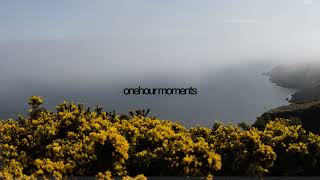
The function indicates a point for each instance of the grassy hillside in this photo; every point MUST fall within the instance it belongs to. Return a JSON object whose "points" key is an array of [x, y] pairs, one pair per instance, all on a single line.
{"points": [[306, 113], [75, 141]]}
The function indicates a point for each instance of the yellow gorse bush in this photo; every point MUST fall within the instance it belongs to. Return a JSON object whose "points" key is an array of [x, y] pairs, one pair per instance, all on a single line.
{"points": [[74, 141]]}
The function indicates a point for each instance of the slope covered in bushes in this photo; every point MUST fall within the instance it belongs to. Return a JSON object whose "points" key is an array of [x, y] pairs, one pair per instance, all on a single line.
{"points": [[74, 141], [306, 114]]}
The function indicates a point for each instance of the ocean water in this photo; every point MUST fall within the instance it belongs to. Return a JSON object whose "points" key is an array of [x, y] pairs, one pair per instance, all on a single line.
{"points": [[229, 94]]}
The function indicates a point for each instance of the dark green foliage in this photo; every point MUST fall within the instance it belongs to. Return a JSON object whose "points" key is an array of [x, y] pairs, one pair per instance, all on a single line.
{"points": [[139, 112]]}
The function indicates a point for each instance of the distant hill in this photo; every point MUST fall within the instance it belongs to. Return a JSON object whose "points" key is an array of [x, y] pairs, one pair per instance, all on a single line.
{"points": [[305, 95], [304, 77]]}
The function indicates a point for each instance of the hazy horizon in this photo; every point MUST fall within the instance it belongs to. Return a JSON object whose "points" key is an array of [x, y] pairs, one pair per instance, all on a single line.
{"points": [[153, 37], [80, 49]]}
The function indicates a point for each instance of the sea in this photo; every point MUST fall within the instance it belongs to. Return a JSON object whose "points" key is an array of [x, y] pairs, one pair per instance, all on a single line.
{"points": [[229, 94]]}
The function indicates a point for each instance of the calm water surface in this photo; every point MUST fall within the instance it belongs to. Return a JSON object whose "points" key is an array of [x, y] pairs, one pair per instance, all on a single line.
{"points": [[230, 94]]}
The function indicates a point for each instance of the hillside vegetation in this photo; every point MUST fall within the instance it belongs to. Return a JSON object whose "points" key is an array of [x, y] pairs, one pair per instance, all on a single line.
{"points": [[306, 113], [75, 141]]}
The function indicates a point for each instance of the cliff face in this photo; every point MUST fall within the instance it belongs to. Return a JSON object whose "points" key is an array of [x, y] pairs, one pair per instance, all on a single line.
{"points": [[296, 76], [305, 78], [306, 95], [307, 113]]}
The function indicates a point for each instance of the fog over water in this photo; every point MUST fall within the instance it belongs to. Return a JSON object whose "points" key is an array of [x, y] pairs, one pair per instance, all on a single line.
{"points": [[226, 92], [89, 52], [235, 94]]}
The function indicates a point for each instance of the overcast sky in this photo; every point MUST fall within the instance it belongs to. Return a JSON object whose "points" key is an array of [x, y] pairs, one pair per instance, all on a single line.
{"points": [[78, 37]]}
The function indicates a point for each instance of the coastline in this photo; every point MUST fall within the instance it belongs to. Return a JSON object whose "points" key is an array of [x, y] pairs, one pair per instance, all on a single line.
{"points": [[275, 83]]}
